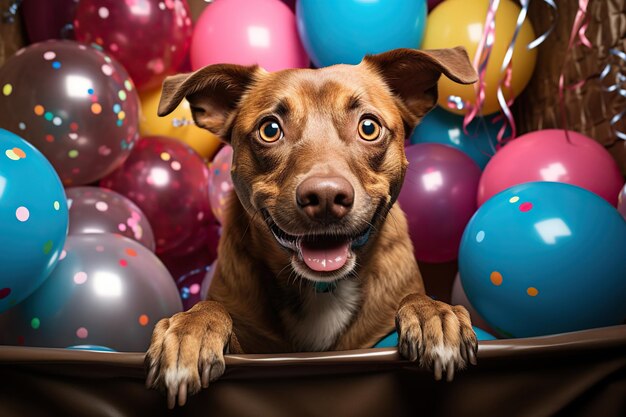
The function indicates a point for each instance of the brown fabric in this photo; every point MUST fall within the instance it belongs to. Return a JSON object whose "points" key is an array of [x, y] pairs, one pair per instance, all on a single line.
{"points": [[576, 374], [589, 108]]}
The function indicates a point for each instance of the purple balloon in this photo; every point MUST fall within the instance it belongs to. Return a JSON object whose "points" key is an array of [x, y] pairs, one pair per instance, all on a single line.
{"points": [[191, 285], [45, 19], [98, 210], [439, 198]]}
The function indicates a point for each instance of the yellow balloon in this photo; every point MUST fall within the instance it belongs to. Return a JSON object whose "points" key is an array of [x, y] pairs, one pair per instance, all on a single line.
{"points": [[462, 22], [178, 124]]}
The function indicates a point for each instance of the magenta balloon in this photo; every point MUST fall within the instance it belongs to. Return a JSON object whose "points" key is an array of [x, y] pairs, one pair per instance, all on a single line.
{"points": [[248, 32], [439, 198], [150, 38], [546, 155], [97, 210], [220, 182], [170, 184], [74, 103], [45, 19]]}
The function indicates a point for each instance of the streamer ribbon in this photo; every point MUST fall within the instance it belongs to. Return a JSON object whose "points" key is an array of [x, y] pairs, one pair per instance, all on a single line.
{"points": [[481, 60], [618, 86], [577, 37], [10, 14]]}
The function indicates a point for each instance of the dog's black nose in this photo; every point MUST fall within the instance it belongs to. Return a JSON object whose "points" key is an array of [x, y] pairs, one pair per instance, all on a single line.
{"points": [[325, 198]]}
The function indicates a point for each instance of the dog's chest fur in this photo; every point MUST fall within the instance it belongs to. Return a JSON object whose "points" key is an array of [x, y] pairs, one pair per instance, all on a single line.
{"points": [[320, 318]]}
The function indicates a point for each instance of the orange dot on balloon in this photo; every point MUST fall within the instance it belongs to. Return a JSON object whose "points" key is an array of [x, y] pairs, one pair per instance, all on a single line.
{"points": [[496, 278], [144, 320], [20, 153], [532, 291], [39, 110], [131, 252], [96, 108]]}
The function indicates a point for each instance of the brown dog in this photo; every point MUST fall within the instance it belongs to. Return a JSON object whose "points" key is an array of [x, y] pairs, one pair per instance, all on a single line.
{"points": [[315, 254]]}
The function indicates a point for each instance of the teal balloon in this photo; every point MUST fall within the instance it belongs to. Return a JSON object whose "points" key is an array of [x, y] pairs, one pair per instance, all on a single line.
{"points": [[94, 348], [543, 258], [343, 32], [391, 340], [482, 335], [33, 219], [441, 126]]}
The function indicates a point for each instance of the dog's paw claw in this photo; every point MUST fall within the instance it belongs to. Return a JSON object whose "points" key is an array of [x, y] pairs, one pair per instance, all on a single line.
{"points": [[438, 335], [186, 353]]}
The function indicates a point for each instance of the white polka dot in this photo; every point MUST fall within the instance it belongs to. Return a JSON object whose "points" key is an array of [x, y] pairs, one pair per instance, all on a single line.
{"points": [[480, 236], [49, 56], [103, 12], [57, 121], [107, 70], [102, 206], [22, 213], [176, 166], [161, 5], [22, 126]]}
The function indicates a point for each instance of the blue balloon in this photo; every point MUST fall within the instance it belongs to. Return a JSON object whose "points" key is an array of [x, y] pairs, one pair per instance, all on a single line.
{"points": [[343, 32], [482, 335], [96, 348], [391, 340], [441, 126], [545, 257], [33, 219]]}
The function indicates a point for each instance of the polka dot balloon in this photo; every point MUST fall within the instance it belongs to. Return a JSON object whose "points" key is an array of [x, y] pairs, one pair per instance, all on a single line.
{"points": [[74, 103], [33, 219], [97, 210], [169, 182], [150, 38], [545, 257], [220, 182], [93, 298]]}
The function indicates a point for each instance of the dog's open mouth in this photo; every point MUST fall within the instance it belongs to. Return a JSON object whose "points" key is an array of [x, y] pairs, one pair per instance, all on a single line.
{"points": [[320, 252]]}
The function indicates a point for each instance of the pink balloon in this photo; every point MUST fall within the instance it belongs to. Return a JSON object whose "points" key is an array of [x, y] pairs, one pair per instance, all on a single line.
{"points": [[248, 32], [546, 155], [438, 198], [170, 184], [220, 182], [150, 38]]}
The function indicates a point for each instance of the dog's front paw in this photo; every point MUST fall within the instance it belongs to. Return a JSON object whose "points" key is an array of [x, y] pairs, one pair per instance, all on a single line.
{"points": [[187, 351], [437, 334]]}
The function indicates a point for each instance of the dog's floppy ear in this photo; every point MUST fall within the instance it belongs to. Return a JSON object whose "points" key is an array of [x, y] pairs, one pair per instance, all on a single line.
{"points": [[412, 76], [214, 92]]}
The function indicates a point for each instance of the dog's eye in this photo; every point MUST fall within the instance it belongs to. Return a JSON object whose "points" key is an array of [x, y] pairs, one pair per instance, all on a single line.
{"points": [[270, 131], [369, 129]]}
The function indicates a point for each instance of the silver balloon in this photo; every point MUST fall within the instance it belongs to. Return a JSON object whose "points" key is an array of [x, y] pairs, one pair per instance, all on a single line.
{"points": [[98, 210], [106, 290]]}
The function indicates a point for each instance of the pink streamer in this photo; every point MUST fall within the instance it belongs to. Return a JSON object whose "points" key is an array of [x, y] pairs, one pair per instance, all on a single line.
{"points": [[578, 37]]}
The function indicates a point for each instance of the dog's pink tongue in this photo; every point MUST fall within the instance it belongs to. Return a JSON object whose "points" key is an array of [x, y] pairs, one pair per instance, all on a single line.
{"points": [[325, 259]]}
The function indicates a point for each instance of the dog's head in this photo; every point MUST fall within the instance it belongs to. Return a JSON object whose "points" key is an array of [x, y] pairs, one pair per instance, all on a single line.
{"points": [[319, 154]]}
